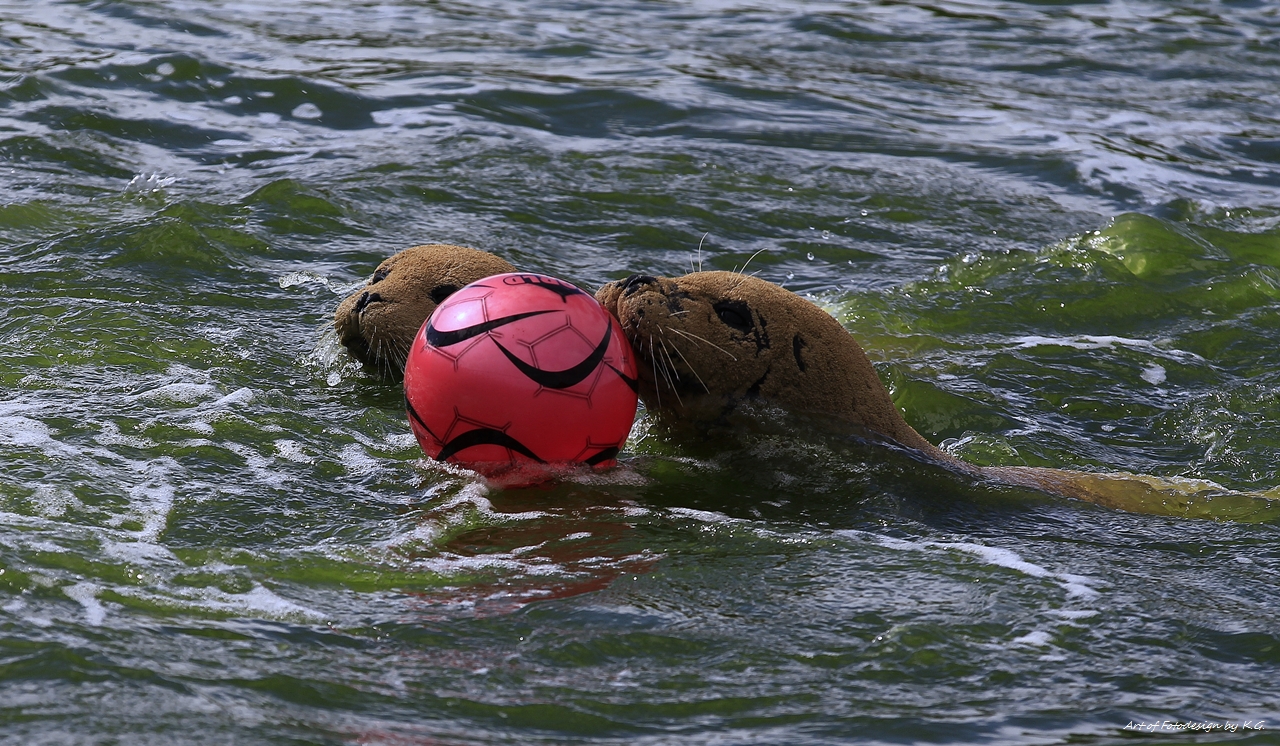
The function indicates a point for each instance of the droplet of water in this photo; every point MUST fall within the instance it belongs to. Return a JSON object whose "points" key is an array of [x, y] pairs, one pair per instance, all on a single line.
{"points": [[865, 213], [165, 69], [809, 256], [306, 111]]}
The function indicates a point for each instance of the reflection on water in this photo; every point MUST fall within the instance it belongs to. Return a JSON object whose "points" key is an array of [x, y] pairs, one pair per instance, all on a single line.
{"points": [[1053, 226]]}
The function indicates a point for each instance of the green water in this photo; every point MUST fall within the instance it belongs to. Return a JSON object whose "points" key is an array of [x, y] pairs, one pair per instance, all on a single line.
{"points": [[1055, 227]]}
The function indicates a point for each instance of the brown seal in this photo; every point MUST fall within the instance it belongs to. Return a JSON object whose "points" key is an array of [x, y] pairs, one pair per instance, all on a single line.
{"points": [[708, 341], [378, 322]]}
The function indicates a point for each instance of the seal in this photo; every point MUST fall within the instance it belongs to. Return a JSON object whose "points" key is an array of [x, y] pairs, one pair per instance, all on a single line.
{"points": [[707, 342], [710, 340], [378, 322]]}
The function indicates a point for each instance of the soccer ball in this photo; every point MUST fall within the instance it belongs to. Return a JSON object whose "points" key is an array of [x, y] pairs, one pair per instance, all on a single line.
{"points": [[520, 370]]}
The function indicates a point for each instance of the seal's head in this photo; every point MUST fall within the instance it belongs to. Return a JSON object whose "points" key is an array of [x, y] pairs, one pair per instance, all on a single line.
{"points": [[710, 340], [378, 322]]}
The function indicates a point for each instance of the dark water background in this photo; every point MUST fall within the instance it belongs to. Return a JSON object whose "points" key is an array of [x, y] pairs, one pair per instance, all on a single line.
{"points": [[1054, 225]]}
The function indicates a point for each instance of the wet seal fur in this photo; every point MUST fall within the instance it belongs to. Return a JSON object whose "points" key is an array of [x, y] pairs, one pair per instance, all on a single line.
{"points": [[378, 322], [709, 341]]}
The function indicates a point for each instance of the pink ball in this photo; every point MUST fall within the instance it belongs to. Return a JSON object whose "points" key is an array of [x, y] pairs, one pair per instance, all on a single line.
{"points": [[520, 370]]}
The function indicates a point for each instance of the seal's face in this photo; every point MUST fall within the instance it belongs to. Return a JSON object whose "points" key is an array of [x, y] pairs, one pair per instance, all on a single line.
{"points": [[378, 322], [711, 339]]}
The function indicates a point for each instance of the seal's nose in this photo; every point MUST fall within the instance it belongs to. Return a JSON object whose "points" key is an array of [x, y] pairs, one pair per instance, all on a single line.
{"points": [[636, 282], [365, 299]]}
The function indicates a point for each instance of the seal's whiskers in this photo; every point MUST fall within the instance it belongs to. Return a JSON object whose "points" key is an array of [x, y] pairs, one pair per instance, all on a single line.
{"points": [[669, 370], [376, 351], [700, 240], [668, 365], [398, 354], [691, 335], [653, 360], [689, 365], [744, 265]]}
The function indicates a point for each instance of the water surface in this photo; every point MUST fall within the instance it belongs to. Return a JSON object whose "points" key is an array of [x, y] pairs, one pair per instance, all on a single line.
{"points": [[1054, 226]]}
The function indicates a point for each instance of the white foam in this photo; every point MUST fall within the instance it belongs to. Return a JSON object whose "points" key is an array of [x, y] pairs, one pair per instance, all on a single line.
{"points": [[703, 515], [999, 557], [148, 183], [241, 395], [261, 466], [199, 426], [356, 461], [529, 548], [262, 600], [1070, 614], [53, 502], [458, 565], [87, 596], [423, 532], [294, 279], [427, 532], [24, 432], [619, 475], [1037, 638], [1077, 585], [291, 450], [401, 441], [1154, 374], [257, 602], [1098, 342], [474, 494], [138, 552], [1074, 585], [306, 111], [153, 498], [185, 115], [111, 436], [18, 605]]}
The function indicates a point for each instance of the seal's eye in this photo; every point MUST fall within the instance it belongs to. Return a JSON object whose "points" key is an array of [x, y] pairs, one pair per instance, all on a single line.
{"points": [[735, 314], [440, 292], [379, 276]]}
